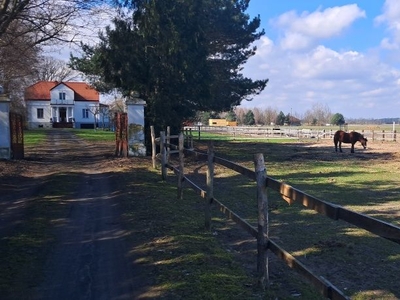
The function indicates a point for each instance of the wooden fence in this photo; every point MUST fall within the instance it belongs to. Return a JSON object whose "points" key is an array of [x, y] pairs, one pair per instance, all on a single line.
{"points": [[289, 132], [288, 193]]}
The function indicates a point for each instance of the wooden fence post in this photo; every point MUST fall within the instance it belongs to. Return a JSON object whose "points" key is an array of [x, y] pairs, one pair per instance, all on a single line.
{"points": [[198, 137], [168, 142], [186, 138], [181, 166], [125, 146], [117, 120], [191, 139], [210, 185], [153, 146], [262, 199], [163, 156]]}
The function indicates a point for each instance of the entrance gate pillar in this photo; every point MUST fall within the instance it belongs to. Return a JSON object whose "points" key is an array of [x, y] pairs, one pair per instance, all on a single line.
{"points": [[5, 138], [136, 138]]}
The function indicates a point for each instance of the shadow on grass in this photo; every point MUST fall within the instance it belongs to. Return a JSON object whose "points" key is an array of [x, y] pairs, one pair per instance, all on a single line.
{"points": [[328, 247]]}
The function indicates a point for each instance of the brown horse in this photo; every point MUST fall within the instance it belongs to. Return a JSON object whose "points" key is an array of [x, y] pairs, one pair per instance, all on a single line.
{"points": [[350, 138]]}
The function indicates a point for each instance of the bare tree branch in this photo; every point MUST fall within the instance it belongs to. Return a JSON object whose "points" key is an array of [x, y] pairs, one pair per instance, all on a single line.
{"points": [[48, 20], [51, 69]]}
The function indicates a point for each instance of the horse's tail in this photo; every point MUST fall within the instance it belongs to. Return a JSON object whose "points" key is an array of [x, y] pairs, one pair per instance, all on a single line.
{"points": [[336, 137]]}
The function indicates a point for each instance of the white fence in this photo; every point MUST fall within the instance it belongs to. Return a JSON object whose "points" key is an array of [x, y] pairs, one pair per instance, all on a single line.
{"points": [[289, 132]]}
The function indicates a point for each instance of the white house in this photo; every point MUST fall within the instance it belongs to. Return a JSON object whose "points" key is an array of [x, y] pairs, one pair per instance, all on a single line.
{"points": [[63, 105]]}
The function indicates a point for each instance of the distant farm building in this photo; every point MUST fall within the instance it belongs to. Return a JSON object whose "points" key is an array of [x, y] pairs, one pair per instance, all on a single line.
{"points": [[221, 122]]}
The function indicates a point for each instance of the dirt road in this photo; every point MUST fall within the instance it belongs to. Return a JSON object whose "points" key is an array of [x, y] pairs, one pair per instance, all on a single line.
{"points": [[90, 259]]}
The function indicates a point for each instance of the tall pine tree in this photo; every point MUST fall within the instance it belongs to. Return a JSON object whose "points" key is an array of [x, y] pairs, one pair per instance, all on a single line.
{"points": [[181, 56]]}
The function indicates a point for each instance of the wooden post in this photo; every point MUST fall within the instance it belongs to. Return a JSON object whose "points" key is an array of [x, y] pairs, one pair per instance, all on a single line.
{"points": [[163, 156], [117, 121], [210, 185], [181, 166], [394, 135], [153, 146], [185, 136], [191, 139], [198, 138], [124, 134], [168, 142], [262, 199]]}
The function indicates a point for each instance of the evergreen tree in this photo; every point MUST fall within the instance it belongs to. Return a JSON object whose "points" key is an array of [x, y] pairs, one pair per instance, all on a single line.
{"points": [[182, 56], [249, 118], [287, 119], [280, 119], [231, 116], [337, 119], [205, 116]]}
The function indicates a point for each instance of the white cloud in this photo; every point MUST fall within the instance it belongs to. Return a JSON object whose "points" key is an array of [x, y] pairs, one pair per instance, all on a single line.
{"points": [[356, 84], [304, 30], [391, 18]]}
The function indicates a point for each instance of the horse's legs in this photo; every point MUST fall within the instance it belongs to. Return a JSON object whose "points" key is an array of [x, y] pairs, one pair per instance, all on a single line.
{"points": [[335, 146], [340, 146], [352, 147]]}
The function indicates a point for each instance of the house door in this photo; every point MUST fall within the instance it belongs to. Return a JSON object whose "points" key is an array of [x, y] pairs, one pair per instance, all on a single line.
{"points": [[63, 114]]}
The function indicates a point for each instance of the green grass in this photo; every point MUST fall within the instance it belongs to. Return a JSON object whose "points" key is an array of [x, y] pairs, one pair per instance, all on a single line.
{"points": [[95, 135], [206, 136], [34, 137], [37, 136], [187, 261], [333, 249]]}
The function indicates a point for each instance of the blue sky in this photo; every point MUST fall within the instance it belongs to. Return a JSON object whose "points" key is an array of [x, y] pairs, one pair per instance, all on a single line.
{"points": [[344, 55]]}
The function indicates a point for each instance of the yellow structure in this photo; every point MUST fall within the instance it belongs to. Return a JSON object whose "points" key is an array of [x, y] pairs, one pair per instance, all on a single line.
{"points": [[221, 122]]}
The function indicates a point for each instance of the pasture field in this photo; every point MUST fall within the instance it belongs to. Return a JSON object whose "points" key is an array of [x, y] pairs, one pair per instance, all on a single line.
{"points": [[187, 262], [360, 264]]}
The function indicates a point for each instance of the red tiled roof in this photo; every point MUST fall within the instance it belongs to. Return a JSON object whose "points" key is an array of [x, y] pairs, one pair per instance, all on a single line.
{"points": [[41, 91], [83, 91]]}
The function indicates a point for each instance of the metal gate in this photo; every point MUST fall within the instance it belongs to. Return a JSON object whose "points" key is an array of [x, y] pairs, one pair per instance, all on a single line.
{"points": [[17, 135], [121, 134]]}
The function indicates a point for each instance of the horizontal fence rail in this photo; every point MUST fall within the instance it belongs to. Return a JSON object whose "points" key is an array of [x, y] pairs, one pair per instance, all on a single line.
{"points": [[290, 195], [333, 211], [289, 132]]}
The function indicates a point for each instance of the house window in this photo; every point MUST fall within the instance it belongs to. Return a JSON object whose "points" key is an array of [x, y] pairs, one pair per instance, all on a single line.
{"points": [[62, 95], [85, 113], [40, 114]]}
